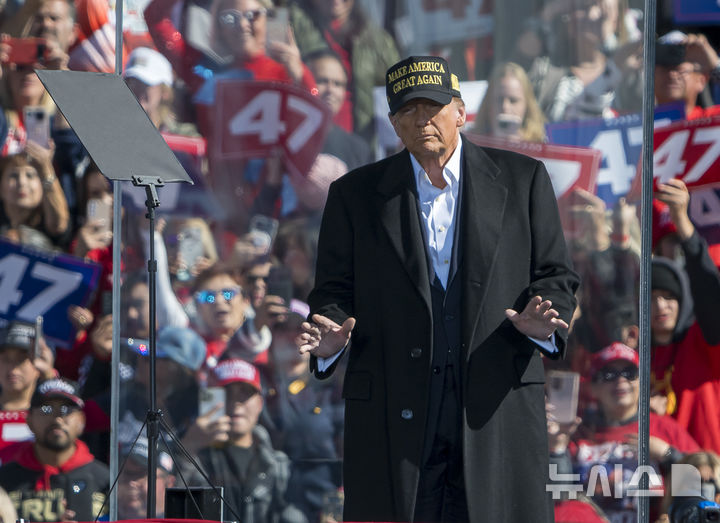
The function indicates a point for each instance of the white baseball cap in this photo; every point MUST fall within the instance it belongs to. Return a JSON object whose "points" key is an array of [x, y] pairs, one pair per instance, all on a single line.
{"points": [[148, 66]]}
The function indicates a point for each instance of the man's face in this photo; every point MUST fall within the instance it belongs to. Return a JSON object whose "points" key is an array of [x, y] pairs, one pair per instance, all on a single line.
{"points": [[137, 313], [614, 391], [53, 21], [243, 403], [256, 282], [222, 316], [56, 424], [664, 309], [17, 372], [132, 490], [671, 82], [331, 81], [429, 130]]}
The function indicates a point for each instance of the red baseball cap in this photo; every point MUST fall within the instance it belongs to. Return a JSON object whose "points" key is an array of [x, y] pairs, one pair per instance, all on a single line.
{"points": [[237, 371], [662, 224], [616, 351]]}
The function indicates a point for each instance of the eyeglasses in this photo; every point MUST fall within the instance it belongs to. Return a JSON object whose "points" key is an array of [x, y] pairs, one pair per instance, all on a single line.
{"points": [[208, 296], [58, 410], [251, 278], [630, 373], [233, 17]]}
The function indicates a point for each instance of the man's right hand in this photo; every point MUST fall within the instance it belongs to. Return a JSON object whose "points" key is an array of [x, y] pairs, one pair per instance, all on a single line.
{"points": [[323, 337]]}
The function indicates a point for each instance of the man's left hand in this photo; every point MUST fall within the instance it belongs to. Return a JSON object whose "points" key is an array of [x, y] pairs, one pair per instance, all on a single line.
{"points": [[538, 319]]}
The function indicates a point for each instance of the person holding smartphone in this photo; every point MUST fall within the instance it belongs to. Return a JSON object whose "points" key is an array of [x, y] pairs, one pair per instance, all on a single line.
{"points": [[509, 108], [609, 437], [52, 21], [24, 360], [239, 50], [242, 459], [31, 194]]}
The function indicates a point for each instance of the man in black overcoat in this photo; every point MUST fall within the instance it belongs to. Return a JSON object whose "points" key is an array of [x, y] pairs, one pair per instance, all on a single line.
{"points": [[442, 272]]}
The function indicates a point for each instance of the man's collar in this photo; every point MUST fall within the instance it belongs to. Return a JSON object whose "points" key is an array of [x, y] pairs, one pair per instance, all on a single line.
{"points": [[451, 169]]}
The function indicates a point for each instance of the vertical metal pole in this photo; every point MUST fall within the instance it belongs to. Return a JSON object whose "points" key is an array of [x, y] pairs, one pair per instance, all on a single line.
{"points": [[153, 422], [117, 241], [645, 258], [115, 378]]}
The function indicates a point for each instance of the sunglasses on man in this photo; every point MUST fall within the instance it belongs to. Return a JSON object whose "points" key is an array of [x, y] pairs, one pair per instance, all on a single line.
{"points": [[630, 373], [55, 411]]}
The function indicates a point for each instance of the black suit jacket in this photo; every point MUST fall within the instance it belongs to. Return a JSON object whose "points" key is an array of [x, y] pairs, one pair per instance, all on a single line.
{"points": [[372, 265]]}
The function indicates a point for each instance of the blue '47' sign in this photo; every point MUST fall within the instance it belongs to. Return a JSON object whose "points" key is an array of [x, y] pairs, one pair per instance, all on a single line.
{"points": [[36, 283]]}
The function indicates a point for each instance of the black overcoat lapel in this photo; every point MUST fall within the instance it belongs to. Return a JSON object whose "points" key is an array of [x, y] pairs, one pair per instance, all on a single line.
{"points": [[483, 211], [397, 208]]}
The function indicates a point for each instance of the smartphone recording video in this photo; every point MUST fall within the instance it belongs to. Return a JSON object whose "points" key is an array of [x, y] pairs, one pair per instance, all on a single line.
{"points": [[209, 398], [280, 284], [277, 25], [37, 125], [37, 347], [562, 393], [26, 51], [263, 231], [190, 248]]}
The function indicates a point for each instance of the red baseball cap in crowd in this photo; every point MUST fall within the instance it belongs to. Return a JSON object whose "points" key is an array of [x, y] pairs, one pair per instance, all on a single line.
{"points": [[237, 371], [662, 224], [616, 351]]}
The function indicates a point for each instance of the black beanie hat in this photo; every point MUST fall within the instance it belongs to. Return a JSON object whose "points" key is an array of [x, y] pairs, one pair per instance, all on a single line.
{"points": [[664, 278]]}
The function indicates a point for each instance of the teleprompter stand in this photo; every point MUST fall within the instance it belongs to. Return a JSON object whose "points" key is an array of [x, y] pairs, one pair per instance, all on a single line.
{"points": [[126, 146]]}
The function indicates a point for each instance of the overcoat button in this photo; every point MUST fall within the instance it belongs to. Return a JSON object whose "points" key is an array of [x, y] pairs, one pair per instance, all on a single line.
{"points": [[407, 414], [436, 370], [416, 352]]}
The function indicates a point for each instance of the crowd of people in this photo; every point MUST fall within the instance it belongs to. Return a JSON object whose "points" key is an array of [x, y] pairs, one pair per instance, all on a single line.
{"points": [[233, 281]]}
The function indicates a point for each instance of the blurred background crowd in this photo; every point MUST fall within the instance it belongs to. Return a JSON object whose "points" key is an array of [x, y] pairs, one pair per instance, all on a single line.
{"points": [[265, 104]]}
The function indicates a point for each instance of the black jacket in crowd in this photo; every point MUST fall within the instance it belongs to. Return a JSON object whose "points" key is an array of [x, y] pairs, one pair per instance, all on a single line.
{"points": [[256, 493]]}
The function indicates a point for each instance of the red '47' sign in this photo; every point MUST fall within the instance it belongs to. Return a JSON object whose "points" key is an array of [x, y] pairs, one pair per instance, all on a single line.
{"points": [[688, 150], [569, 167], [255, 118]]}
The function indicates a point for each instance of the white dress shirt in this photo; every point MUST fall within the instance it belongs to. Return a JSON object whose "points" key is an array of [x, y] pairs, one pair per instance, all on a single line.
{"points": [[439, 211]]}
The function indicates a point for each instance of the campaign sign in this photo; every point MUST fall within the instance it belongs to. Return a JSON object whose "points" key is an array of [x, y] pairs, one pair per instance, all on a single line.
{"points": [[569, 167], [37, 283], [254, 119], [696, 11], [704, 212], [688, 150], [620, 142]]}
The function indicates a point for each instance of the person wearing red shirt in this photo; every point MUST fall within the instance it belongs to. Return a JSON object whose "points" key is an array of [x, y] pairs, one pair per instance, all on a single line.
{"points": [[608, 438], [20, 369], [685, 332], [237, 51]]}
